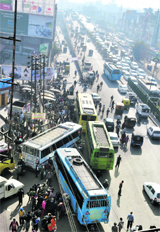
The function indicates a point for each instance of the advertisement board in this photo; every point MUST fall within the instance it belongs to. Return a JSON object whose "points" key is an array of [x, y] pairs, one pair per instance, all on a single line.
{"points": [[7, 71], [27, 25], [25, 73], [49, 72], [5, 4], [44, 49]]}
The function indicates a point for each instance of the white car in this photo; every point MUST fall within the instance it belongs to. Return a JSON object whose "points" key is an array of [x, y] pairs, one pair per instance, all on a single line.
{"points": [[152, 79], [119, 65], [122, 88], [153, 191], [125, 67], [141, 72], [140, 77], [96, 97], [126, 75], [127, 59], [154, 132], [114, 59], [118, 57], [114, 139], [133, 73], [134, 65]]}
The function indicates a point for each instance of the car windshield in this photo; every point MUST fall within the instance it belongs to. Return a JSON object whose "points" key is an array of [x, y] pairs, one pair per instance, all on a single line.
{"points": [[109, 123], [142, 72], [157, 132], [158, 195], [113, 138]]}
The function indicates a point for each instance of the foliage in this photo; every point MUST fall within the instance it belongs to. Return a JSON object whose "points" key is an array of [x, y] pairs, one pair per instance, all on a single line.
{"points": [[140, 50], [55, 50]]}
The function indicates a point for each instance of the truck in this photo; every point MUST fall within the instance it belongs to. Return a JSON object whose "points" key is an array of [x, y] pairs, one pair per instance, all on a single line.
{"points": [[20, 106], [143, 110], [9, 187]]}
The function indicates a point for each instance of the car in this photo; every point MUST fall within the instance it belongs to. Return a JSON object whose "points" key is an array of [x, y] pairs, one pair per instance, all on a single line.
{"points": [[141, 72], [140, 77], [126, 75], [153, 132], [152, 79], [134, 65], [133, 73], [109, 122], [153, 191], [127, 59], [118, 57], [122, 88], [114, 59], [96, 97], [125, 67], [114, 139], [119, 65]]}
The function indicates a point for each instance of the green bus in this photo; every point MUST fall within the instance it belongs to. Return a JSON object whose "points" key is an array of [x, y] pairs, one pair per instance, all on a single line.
{"points": [[100, 148]]}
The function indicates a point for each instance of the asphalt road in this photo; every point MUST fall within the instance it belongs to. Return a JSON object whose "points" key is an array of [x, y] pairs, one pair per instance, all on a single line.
{"points": [[138, 165]]}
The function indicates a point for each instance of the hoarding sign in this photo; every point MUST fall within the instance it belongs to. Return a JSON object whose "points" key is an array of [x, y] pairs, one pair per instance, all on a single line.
{"points": [[27, 25], [7, 71], [4, 6], [73, 59], [25, 73], [38, 116], [44, 48]]}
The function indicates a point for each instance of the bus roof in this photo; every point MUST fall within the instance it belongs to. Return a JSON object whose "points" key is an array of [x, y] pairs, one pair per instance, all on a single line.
{"points": [[49, 136], [87, 181], [112, 66], [99, 133], [86, 102]]}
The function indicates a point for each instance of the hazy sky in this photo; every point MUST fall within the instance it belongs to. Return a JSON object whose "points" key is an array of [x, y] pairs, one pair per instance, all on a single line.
{"points": [[127, 3]]}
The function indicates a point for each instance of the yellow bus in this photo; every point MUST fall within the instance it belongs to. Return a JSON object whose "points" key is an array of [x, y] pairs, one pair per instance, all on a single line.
{"points": [[85, 109]]}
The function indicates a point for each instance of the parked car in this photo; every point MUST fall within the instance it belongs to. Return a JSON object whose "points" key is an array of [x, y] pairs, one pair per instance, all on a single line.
{"points": [[114, 139], [126, 75], [141, 72], [96, 97], [122, 88], [134, 65], [153, 191], [152, 79], [153, 132]]}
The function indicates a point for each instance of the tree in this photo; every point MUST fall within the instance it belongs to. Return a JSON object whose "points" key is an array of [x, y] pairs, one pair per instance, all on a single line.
{"points": [[140, 50]]}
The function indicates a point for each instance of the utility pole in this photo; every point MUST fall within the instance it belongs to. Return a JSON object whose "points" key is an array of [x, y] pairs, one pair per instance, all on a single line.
{"points": [[43, 79]]}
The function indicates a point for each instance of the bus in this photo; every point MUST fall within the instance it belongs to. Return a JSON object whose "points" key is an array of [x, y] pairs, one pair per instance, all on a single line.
{"points": [[100, 148], [85, 109], [39, 148], [90, 201], [151, 90], [112, 72]]}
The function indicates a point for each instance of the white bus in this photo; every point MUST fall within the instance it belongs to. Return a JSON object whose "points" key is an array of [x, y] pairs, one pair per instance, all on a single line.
{"points": [[41, 147]]}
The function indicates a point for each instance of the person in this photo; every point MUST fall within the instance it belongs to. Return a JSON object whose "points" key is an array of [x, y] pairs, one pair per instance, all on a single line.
{"points": [[115, 227], [37, 169], [97, 88], [20, 196], [27, 218], [112, 105], [139, 227], [49, 176], [14, 225], [21, 216], [119, 159], [107, 112], [105, 183], [52, 223], [123, 125], [118, 121], [101, 84], [139, 118], [117, 129], [98, 174], [97, 76], [103, 109], [50, 161], [111, 99], [75, 72], [126, 140], [120, 188], [120, 224], [130, 218], [75, 82]]}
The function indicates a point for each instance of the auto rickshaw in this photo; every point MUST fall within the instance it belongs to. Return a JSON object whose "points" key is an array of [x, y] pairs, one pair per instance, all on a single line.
{"points": [[119, 108], [126, 103], [137, 139], [130, 121]]}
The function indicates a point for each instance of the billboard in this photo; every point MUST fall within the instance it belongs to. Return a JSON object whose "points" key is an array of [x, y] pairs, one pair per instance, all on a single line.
{"points": [[7, 71], [5, 4], [44, 49], [49, 72], [27, 25]]}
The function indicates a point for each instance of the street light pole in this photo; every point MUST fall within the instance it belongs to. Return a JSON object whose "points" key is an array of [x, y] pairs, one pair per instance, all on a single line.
{"points": [[43, 79], [35, 82]]}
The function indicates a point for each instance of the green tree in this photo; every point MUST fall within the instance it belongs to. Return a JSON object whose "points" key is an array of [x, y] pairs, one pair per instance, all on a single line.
{"points": [[140, 50]]}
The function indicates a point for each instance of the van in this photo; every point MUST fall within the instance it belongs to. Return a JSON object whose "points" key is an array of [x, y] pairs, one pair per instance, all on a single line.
{"points": [[143, 110], [134, 80]]}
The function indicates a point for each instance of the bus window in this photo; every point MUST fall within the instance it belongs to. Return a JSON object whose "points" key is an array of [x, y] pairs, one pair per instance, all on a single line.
{"points": [[111, 155], [102, 154], [84, 117], [96, 154], [92, 118], [87, 205]]}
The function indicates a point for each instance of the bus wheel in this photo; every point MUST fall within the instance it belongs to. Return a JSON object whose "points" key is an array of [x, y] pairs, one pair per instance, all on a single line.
{"points": [[77, 161], [5, 171]]}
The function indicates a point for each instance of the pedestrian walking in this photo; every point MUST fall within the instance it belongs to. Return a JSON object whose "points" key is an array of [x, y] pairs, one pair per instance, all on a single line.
{"points": [[120, 224], [37, 169], [21, 216], [75, 73], [119, 159], [27, 218], [97, 76], [117, 130], [115, 227], [130, 220], [111, 99], [103, 109], [120, 188], [107, 112], [126, 140], [112, 105], [20, 196], [14, 225], [123, 125], [100, 105], [101, 84], [75, 82], [97, 88]]}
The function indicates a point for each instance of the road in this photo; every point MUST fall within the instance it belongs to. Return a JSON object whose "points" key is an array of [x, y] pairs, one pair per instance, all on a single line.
{"points": [[138, 165]]}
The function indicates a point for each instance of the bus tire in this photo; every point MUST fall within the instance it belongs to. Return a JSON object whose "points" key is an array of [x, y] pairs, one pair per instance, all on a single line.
{"points": [[77, 161]]}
